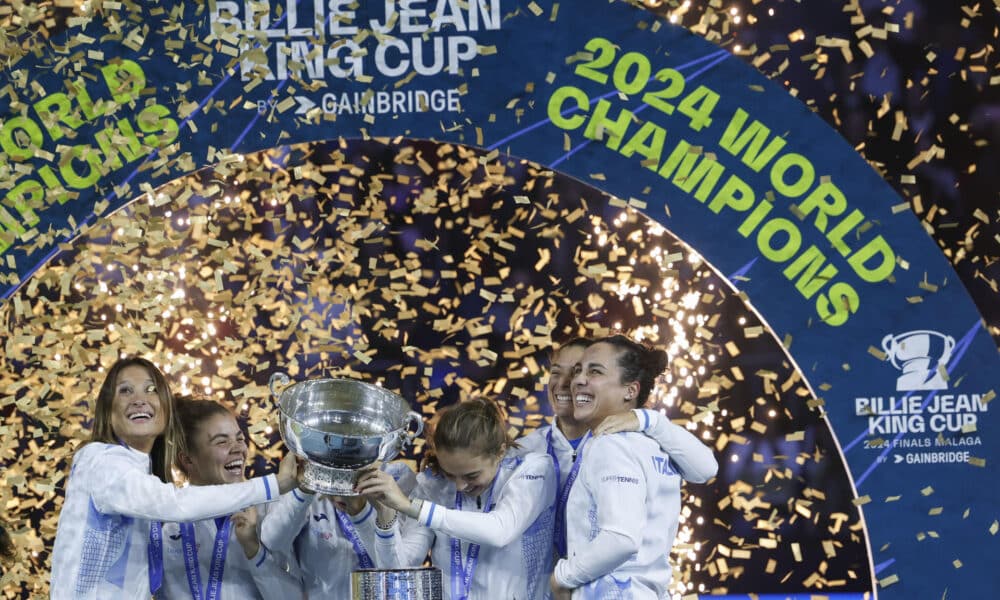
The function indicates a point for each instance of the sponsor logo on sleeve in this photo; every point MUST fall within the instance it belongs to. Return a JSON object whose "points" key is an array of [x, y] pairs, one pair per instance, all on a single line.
{"points": [[620, 479]]}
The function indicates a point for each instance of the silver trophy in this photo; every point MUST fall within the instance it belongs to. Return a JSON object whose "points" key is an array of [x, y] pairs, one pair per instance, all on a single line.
{"points": [[339, 426], [421, 583]]}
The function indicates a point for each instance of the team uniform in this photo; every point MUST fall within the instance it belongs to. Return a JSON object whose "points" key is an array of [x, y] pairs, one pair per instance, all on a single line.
{"points": [[496, 545], [326, 543], [621, 519], [109, 542], [192, 567], [692, 459]]}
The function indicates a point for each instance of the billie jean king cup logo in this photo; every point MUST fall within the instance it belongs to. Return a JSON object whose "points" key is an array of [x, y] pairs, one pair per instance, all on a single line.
{"points": [[921, 355]]}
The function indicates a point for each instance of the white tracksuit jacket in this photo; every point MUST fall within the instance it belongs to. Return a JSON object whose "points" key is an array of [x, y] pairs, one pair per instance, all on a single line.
{"points": [[103, 534], [513, 532]]}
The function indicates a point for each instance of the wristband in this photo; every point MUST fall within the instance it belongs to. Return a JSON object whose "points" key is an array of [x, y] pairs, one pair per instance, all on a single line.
{"points": [[416, 504]]}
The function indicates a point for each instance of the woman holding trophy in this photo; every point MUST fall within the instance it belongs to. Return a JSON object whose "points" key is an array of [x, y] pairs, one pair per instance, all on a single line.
{"points": [[623, 507], [483, 510], [220, 558], [109, 540], [328, 536]]}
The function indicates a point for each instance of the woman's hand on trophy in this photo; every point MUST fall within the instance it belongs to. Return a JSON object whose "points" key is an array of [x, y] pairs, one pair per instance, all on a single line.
{"points": [[382, 488], [288, 473], [623, 421]]}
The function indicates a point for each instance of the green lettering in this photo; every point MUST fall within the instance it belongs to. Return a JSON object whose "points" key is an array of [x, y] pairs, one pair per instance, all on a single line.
{"points": [[689, 169], [652, 150], [555, 109], [26, 195], [735, 194], [877, 247], [751, 222], [780, 169], [20, 147], [838, 304], [828, 200], [79, 92], [808, 263], [125, 143], [599, 124], [53, 184], [156, 118], [125, 80], [767, 233], [93, 160], [62, 114], [836, 235], [735, 139]]}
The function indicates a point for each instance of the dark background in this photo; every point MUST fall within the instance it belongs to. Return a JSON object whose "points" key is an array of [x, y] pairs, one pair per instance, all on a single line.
{"points": [[934, 74]]}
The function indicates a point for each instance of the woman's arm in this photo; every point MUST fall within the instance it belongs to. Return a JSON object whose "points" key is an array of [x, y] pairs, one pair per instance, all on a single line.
{"points": [[118, 487], [530, 490], [285, 519], [402, 545], [694, 460]]}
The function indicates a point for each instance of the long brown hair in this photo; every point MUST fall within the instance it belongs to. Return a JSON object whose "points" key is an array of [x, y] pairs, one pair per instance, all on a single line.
{"points": [[168, 443]]}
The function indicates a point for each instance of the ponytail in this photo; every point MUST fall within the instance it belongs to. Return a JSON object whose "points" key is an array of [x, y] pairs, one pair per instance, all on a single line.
{"points": [[639, 363]]}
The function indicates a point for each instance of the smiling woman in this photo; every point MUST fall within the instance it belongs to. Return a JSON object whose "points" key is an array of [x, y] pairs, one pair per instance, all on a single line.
{"points": [[215, 454], [109, 541], [485, 512]]}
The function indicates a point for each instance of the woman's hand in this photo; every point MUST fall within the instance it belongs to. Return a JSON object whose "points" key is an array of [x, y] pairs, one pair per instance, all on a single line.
{"points": [[245, 523], [288, 471], [558, 591], [623, 421], [382, 488]]}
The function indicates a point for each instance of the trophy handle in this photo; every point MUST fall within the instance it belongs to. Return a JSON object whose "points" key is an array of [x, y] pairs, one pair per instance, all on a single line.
{"points": [[889, 345], [416, 420], [278, 378], [401, 438]]}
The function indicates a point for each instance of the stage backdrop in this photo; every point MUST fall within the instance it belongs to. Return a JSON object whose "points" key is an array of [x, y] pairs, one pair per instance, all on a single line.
{"points": [[826, 252]]}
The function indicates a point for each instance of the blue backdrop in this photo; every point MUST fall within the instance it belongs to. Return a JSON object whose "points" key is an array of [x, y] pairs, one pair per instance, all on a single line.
{"points": [[826, 252]]}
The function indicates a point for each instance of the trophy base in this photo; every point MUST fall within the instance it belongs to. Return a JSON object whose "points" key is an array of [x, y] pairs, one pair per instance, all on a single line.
{"points": [[321, 479], [411, 584]]}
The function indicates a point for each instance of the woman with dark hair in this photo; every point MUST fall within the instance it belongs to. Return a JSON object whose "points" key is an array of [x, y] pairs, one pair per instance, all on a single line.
{"points": [[562, 438], [327, 536], [484, 511], [623, 507], [198, 561], [109, 540]]}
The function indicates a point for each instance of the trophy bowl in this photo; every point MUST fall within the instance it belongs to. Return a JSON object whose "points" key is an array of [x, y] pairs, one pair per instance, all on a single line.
{"points": [[340, 426]]}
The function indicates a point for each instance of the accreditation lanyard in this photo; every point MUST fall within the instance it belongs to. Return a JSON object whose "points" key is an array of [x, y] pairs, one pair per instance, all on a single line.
{"points": [[154, 555], [560, 529], [461, 573], [347, 528], [154, 550], [213, 586]]}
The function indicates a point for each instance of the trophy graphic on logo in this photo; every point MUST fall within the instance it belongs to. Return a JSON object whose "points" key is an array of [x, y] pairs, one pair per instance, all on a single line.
{"points": [[921, 355]]}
